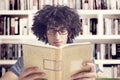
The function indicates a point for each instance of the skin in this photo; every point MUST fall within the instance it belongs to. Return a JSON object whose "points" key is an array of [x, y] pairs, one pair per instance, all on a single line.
{"points": [[57, 39], [33, 73]]}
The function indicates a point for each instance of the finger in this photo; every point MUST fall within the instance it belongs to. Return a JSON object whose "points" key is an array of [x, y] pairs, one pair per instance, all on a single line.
{"points": [[85, 79], [84, 75], [28, 71], [89, 74], [34, 76], [91, 66]]}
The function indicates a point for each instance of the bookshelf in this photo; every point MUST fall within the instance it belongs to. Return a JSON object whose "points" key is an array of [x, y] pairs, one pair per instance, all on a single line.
{"points": [[7, 62], [87, 12]]}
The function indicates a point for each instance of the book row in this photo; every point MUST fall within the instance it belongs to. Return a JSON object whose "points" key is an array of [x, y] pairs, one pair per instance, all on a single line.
{"points": [[10, 25], [78, 4], [111, 26], [101, 51], [10, 51], [112, 71], [13, 25], [107, 51]]}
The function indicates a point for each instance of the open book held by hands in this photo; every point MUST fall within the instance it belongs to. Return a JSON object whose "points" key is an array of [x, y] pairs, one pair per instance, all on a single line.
{"points": [[58, 63]]}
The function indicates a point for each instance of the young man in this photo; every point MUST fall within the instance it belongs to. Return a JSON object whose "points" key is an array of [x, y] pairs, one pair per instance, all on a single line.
{"points": [[56, 25]]}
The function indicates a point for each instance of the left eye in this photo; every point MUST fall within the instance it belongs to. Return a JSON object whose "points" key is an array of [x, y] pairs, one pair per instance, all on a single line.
{"points": [[63, 31]]}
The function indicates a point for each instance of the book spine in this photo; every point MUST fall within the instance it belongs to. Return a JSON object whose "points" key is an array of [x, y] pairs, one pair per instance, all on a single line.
{"points": [[58, 65]]}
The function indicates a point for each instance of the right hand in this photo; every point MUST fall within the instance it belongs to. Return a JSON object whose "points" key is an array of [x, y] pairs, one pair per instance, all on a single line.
{"points": [[31, 73]]}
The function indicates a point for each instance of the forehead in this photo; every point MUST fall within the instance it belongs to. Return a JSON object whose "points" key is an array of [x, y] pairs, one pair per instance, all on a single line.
{"points": [[55, 27]]}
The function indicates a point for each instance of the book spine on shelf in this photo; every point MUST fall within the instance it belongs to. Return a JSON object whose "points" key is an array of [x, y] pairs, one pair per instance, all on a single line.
{"points": [[10, 51], [78, 4]]}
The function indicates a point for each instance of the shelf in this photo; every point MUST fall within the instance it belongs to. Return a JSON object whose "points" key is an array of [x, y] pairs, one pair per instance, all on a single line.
{"points": [[16, 39], [15, 12], [85, 13], [89, 12], [7, 62], [19, 12], [98, 38], [107, 61], [96, 13], [81, 38]]}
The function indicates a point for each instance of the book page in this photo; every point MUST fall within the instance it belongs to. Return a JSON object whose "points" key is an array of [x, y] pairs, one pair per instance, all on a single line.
{"points": [[41, 57], [73, 58], [58, 63]]}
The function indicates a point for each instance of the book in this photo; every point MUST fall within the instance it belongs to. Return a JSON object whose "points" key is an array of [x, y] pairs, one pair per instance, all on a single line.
{"points": [[58, 63]]}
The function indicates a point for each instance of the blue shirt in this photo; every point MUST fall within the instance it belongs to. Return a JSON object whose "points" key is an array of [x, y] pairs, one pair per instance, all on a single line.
{"points": [[18, 67]]}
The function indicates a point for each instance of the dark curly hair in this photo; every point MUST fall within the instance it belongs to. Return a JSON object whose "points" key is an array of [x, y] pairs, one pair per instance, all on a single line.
{"points": [[56, 16]]}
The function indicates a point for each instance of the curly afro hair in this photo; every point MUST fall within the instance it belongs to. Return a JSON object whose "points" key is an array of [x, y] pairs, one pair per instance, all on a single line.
{"points": [[56, 16]]}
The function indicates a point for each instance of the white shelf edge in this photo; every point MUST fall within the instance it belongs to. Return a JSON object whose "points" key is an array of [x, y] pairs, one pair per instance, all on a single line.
{"points": [[81, 12], [3, 37], [14, 12], [89, 12], [19, 39], [98, 38], [107, 61], [7, 62], [81, 38]]}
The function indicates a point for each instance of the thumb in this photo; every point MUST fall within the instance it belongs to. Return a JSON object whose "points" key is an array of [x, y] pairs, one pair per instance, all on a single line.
{"points": [[91, 66]]}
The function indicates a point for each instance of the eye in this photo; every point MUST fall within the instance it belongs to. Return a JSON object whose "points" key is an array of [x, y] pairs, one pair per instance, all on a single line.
{"points": [[50, 31], [64, 30]]}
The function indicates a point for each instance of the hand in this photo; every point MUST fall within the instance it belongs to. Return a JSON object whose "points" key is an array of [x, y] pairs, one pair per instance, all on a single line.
{"points": [[91, 75], [31, 73]]}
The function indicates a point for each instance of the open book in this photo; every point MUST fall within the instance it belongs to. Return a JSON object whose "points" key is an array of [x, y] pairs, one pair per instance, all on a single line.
{"points": [[59, 63]]}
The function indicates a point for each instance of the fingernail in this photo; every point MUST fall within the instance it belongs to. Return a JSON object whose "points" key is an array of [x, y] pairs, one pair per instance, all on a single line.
{"points": [[85, 64]]}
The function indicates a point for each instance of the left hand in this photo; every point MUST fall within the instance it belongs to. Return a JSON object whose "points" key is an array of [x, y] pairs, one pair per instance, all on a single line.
{"points": [[91, 75]]}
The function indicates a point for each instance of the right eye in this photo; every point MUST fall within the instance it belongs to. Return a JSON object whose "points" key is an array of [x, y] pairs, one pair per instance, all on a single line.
{"points": [[50, 31]]}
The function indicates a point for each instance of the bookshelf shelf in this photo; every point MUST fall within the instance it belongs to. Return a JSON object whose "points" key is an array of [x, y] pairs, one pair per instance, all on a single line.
{"points": [[10, 37], [89, 12], [107, 61], [85, 13], [17, 39], [98, 38], [7, 62], [81, 38], [15, 12], [95, 13]]}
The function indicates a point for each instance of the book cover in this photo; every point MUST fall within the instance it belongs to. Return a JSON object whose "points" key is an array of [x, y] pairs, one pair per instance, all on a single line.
{"points": [[59, 63]]}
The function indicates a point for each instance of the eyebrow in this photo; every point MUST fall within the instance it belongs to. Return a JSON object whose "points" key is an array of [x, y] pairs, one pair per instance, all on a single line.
{"points": [[56, 28]]}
